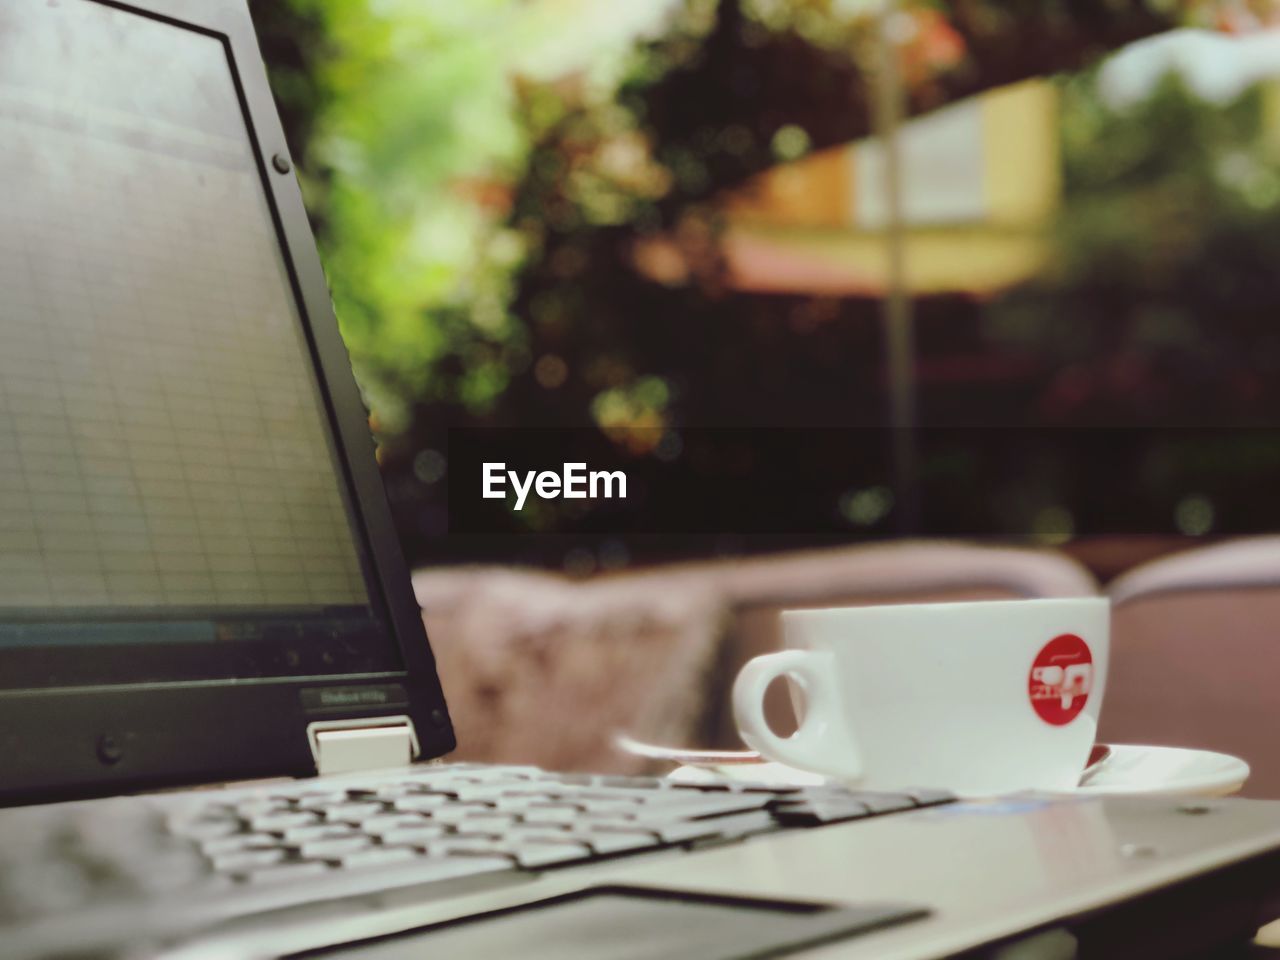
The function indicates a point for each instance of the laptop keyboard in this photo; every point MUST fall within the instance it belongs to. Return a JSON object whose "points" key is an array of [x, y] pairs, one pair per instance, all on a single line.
{"points": [[468, 819], [436, 823]]}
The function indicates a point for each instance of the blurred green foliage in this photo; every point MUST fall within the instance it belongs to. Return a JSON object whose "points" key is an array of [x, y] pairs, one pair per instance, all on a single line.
{"points": [[407, 103]]}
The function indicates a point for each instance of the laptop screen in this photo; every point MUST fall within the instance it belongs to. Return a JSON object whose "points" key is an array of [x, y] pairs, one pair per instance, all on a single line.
{"points": [[167, 473]]}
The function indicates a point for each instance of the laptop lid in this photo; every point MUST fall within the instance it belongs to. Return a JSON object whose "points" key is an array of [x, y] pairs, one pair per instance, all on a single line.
{"points": [[198, 570]]}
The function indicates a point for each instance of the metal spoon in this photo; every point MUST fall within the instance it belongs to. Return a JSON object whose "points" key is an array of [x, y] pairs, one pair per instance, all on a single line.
{"points": [[1098, 756], [688, 758]]}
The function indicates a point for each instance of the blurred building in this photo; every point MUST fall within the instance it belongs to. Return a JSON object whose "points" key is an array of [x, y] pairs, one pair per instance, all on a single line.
{"points": [[981, 181]]}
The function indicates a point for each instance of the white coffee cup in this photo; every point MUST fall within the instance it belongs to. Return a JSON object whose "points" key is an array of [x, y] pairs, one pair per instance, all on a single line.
{"points": [[981, 698]]}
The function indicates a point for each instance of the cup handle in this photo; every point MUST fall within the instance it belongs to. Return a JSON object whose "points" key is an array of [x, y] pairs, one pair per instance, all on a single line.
{"points": [[821, 744]]}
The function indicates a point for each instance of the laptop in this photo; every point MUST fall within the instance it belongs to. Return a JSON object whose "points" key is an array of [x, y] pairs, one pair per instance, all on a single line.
{"points": [[221, 727]]}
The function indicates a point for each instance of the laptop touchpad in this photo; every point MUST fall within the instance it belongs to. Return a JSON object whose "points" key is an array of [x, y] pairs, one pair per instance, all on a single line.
{"points": [[631, 923]]}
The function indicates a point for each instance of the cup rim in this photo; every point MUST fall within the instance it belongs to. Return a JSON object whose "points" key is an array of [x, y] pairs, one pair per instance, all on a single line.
{"points": [[806, 613]]}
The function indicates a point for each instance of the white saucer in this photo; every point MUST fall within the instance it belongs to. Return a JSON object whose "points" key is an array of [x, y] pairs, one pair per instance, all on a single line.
{"points": [[1166, 770], [1127, 770]]}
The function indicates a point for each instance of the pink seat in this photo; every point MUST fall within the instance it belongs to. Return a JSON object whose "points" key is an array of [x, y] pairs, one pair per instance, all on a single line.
{"points": [[1195, 660], [541, 669]]}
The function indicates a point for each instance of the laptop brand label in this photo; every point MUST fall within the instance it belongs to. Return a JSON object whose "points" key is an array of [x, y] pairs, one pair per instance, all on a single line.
{"points": [[319, 699]]}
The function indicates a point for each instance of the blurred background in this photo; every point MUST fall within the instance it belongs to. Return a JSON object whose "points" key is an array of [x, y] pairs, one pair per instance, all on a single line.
{"points": [[916, 221]]}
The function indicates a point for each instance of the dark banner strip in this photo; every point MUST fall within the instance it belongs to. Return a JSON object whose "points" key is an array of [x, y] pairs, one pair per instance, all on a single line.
{"points": [[960, 482]]}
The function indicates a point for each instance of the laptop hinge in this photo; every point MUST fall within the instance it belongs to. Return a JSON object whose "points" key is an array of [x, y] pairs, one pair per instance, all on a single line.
{"points": [[369, 743]]}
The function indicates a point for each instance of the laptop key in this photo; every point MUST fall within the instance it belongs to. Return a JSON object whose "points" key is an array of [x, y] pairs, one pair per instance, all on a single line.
{"points": [[333, 848], [258, 807], [353, 812], [421, 803], [517, 804], [885, 802], [636, 783], [546, 815], [674, 807], [528, 855], [550, 833], [380, 857], [587, 794], [238, 842], [414, 836], [741, 825], [756, 787], [609, 804], [488, 772], [812, 813], [458, 812], [248, 860], [319, 800], [285, 872], [319, 831], [467, 846], [279, 821], [467, 792], [605, 842], [496, 824], [534, 855], [384, 822], [678, 831], [393, 791], [542, 789]]}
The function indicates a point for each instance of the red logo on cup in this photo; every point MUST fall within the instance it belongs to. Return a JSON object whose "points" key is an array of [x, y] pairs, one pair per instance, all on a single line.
{"points": [[1061, 679]]}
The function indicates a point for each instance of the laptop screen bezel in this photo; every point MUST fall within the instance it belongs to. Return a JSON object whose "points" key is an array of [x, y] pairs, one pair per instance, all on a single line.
{"points": [[93, 740]]}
